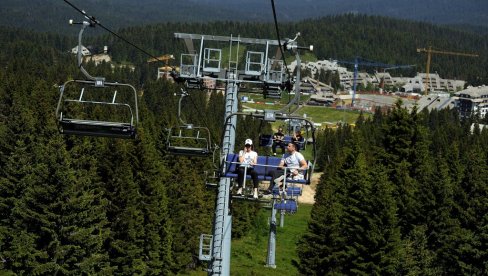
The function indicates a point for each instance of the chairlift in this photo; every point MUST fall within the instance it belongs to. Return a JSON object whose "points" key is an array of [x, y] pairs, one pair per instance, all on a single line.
{"points": [[271, 162], [87, 108], [94, 107], [187, 139]]}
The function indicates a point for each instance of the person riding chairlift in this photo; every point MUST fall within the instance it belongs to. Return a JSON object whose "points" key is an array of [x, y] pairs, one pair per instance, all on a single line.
{"points": [[297, 139], [295, 164], [247, 159]]}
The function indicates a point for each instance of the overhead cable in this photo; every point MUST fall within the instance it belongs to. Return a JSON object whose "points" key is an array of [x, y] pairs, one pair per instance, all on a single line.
{"points": [[279, 38], [94, 22]]}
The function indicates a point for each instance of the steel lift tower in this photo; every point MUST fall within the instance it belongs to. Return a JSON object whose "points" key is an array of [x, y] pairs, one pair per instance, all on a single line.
{"points": [[203, 64]]}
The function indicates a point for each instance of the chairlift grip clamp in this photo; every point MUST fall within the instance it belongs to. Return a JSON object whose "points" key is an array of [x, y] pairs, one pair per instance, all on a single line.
{"points": [[99, 82]]}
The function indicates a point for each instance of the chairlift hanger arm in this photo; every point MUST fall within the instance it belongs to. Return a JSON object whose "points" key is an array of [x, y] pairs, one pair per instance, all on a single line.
{"points": [[292, 46], [182, 95], [83, 24]]}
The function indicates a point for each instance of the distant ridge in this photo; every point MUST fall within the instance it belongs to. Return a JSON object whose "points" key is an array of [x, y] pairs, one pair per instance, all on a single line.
{"points": [[50, 15]]}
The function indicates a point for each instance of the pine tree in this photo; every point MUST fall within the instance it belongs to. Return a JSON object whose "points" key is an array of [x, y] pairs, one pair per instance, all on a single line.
{"points": [[191, 208], [353, 228], [471, 208], [151, 176], [320, 248], [58, 218]]}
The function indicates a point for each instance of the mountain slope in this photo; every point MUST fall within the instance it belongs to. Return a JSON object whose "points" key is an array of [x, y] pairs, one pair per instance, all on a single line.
{"points": [[53, 15]]}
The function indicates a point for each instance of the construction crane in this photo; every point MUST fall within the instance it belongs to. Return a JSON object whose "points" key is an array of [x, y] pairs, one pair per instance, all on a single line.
{"points": [[165, 58], [363, 62], [394, 67], [164, 71], [429, 52], [398, 67]]}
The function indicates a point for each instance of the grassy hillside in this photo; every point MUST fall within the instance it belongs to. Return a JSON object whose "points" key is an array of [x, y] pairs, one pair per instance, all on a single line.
{"points": [[249, 253], [318, 114]]}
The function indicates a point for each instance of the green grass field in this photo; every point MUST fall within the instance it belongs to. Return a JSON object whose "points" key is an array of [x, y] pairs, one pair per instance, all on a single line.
{"points": [[318, 114]]}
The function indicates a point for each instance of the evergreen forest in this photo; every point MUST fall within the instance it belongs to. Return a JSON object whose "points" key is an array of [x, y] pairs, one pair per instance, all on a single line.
{"points": [[402, 193]]}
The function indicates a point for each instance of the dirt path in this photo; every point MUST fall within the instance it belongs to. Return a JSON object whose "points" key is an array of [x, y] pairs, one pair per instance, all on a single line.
{"points": [[308, 194]]}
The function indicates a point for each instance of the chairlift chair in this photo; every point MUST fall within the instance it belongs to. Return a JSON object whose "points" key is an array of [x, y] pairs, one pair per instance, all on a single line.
{"points": [[189, 140], [94, 108]]}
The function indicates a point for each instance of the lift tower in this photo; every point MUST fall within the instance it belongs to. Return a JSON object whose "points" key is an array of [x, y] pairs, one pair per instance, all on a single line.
{"points": [[259, 69], [429, 52]]}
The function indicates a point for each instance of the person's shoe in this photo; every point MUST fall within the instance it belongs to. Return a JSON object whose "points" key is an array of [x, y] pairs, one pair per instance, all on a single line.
{"points": [[255, 195], [239, 192], [274, 153]]}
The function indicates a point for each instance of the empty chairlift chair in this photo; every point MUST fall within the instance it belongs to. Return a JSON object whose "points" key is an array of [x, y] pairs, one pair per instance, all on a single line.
{"points": [[97, 108], [94, 107], [211, 60], [189, 71], [189, 140], [275, 75], [254, 63]]}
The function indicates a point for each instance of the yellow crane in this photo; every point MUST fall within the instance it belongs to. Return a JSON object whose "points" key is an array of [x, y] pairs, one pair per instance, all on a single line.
{"points": [[165, 58], [163, 71], [429, 52]]}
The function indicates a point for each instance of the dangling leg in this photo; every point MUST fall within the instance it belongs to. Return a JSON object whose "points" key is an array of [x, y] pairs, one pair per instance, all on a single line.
{"points": [[273, 147], [255, 180], [240, 180], [274, 175]]}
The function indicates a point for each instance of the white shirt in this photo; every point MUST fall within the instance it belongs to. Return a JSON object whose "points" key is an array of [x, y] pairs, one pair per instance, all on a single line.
{"points": [[292, 161], [249, 157]]}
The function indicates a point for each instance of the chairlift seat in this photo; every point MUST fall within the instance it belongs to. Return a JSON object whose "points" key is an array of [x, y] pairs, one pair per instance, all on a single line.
{"points": [[97, 128], [290, 190], [264, 167], [120, 122], [289, 206], [276, 71], [188, 65], [233, 163], [254, 63], [188, 151], [288, 139], [193, 83], [265, 140], [211, 60], [190, 143]]}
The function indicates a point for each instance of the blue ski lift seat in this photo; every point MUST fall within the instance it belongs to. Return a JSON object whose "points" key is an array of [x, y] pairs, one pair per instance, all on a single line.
{"points": [[96, 110], [291, 190], [264, 167], [289, 206], [265, 140]]}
